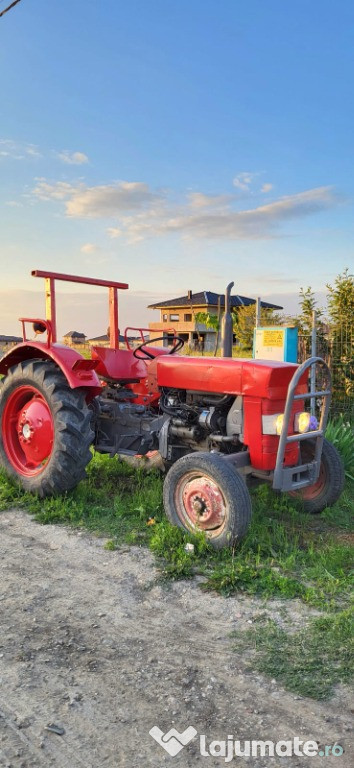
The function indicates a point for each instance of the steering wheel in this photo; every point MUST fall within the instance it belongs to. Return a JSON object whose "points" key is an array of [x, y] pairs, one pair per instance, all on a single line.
{"points": [[148, 356]]}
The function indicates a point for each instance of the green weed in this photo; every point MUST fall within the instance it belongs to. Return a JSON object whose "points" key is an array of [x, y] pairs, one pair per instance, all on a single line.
{"points": [[341, 433], [309, 662]]}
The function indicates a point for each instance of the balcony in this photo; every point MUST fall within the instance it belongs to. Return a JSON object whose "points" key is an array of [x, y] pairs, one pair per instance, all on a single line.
{"points": [[180, 327]]}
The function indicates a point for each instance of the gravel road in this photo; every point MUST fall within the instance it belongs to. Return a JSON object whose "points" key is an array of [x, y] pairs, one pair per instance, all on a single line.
{"points": [[93, 644]]}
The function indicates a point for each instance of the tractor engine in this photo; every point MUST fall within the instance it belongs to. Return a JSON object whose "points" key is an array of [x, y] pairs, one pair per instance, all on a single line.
{"points": [[123, 426], [197, 421], [185, 421]]}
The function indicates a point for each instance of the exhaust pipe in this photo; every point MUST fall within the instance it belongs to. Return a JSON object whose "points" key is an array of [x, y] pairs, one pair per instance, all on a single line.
{"points": [[226, 325]]}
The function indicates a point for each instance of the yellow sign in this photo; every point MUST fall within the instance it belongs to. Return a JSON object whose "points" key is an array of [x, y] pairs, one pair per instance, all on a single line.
{"points": [[273, 338]]}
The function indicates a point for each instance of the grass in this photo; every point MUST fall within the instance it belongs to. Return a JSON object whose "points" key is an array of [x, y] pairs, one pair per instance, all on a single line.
{"points": [[341, 433], [309, 662], [286, 554]]}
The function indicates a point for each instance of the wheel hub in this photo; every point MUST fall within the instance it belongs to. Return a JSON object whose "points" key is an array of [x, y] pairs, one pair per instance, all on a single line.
{"points": [[28, 430], [204, 503], [35, 430]]}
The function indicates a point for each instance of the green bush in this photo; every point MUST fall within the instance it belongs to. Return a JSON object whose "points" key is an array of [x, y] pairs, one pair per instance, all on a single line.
{"points": [[341, 433]]}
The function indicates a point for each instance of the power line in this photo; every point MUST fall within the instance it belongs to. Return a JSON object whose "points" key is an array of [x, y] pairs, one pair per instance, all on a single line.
{"points": [[9, 7]]}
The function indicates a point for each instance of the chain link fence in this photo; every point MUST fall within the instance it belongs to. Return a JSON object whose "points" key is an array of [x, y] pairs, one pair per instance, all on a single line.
{"points": [[336, 347]]}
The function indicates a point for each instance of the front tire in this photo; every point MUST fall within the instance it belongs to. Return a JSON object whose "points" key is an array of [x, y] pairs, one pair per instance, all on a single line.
{"points": [[329, 486], [45, 429], [202, 492]]}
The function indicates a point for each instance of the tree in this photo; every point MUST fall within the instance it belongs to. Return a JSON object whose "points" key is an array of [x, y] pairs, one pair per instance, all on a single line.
{"points": [[304, 321], [341, 326], [243, 321], [308, 305], [208, 319], [341, 301]]}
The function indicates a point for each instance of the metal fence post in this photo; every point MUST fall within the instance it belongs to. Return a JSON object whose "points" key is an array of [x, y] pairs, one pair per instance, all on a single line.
{"points": [[313, 354], [258, 311]]}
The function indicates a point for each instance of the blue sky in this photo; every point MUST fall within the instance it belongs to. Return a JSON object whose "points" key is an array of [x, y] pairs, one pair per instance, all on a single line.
{"points": [[174, 145]]}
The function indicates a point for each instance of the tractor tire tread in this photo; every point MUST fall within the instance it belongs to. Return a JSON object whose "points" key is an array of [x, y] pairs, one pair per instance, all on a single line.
{"points": [[334, 485], [233, 486], [73, 433]]}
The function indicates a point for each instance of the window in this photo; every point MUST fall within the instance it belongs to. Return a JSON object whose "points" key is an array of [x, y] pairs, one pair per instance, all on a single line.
{"points": [[164, 318], [174, 318], [188, 318]]}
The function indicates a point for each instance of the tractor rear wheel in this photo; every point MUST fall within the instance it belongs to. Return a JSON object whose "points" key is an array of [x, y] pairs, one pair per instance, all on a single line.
{"points": [[202, 492], [45, 428], [329, 486]]}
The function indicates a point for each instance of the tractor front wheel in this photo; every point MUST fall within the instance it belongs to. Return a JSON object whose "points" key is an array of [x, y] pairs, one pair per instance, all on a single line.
{"points": [[329, 486], [46, 430], [202, 492]]}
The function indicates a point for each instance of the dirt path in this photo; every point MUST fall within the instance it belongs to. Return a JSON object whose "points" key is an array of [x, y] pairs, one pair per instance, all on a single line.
{"points": [[89, 642]]}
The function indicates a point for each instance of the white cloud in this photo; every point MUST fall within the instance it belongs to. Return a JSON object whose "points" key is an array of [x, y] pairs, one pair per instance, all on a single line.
{"points": [[73, 158], [97, 202], [33, 151], [109, 200], [89, 248], [61, 190], [114, 232], [243, 180], [200, 200], [17, 150], [137, 212], [266, 188], [228, 223]]}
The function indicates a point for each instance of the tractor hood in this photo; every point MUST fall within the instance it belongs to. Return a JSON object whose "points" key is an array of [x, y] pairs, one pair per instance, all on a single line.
{"points": [[234, 376]]}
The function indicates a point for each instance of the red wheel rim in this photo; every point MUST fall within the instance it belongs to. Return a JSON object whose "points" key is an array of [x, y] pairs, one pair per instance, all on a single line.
{"points": [[200, 503], [313, 491], [27, 431]]}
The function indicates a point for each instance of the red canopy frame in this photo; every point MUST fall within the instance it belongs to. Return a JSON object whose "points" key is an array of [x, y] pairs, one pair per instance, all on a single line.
{"points": [[50, 305]]}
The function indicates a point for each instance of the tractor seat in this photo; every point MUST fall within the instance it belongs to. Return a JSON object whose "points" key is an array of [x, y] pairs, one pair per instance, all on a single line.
{"points": [[119, 364]]}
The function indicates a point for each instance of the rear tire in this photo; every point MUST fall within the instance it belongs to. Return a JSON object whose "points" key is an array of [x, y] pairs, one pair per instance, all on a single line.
{"points": [[45, 429], [329, 486], [202, 492]]}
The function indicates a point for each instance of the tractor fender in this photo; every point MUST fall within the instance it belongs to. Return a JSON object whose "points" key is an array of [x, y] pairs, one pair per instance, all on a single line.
{"points": [[78, 371]]}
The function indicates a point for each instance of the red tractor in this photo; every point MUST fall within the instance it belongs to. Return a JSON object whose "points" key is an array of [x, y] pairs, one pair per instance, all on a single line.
{"points": [[214, 421]]}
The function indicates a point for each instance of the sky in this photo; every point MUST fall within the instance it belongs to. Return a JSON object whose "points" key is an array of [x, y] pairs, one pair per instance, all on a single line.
{"points": [[173, 146]]}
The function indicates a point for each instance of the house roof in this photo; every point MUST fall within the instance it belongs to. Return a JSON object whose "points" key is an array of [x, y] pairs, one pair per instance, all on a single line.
{"points": [[209, 298], [105, 337], [75, 333], [10, 339]]}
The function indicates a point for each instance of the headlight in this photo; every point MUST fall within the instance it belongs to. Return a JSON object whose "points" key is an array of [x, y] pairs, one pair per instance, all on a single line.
{"points": [[279, 423], [304, 422], [272, 424]]}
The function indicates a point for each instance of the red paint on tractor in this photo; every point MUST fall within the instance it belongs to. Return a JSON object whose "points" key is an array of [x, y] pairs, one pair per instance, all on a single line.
{"points": [[226, 375], [28, 430], [263, 448], [65, 357], [263, 384], [119, 364]]}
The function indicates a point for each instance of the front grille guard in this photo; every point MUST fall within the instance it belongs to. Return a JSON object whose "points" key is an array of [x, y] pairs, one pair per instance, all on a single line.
{"points": [[294, 478]]}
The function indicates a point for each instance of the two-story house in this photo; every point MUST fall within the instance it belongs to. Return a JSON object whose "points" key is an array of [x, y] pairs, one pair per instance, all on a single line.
{"points": [[180, 315]]}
